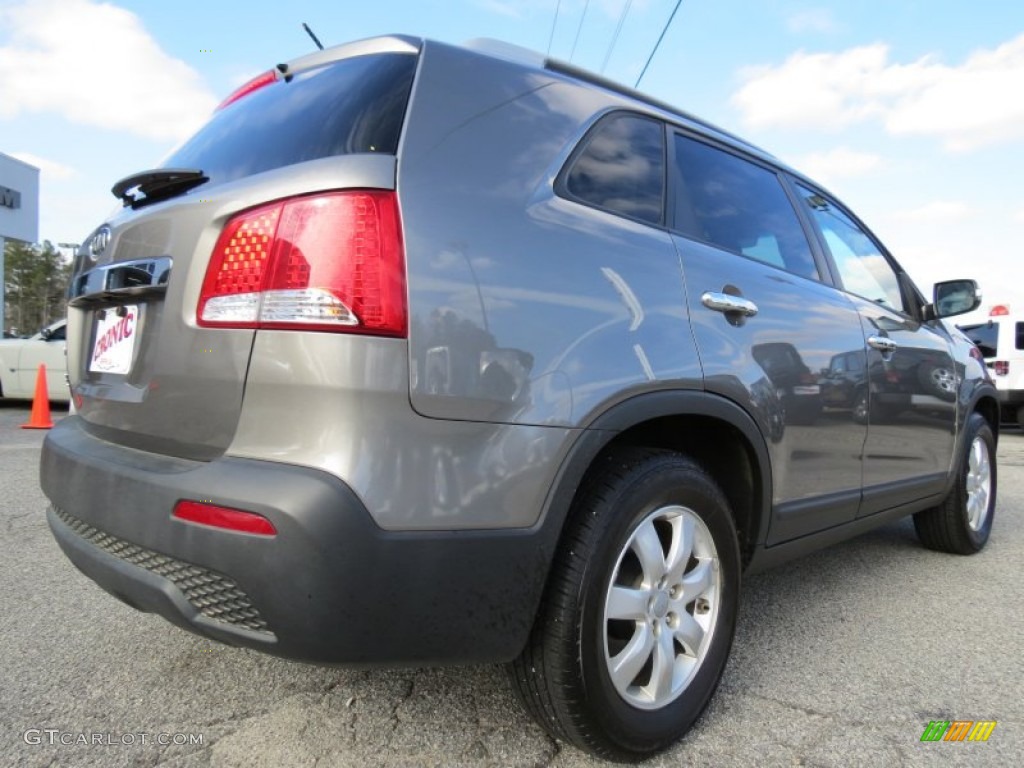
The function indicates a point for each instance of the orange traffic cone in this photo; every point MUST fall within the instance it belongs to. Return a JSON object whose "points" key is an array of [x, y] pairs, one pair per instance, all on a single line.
{"points": [[40, 416]]}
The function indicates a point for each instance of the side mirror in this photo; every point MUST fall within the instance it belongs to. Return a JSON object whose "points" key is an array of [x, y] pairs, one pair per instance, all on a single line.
{"points": [[953, 297], [46, 333]]}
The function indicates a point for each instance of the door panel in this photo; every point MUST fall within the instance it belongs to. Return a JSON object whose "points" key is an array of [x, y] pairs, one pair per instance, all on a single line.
{"points": [[772, 364], [913, 382], [768, 331], [51, 354], [912, 400]]}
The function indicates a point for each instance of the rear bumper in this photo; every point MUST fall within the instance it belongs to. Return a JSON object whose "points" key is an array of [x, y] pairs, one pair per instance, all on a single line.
{"points": [[331, 587]]}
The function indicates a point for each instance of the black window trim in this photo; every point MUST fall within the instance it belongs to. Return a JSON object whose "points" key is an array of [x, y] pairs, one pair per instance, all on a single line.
{"points": [[561, 188], [825, 274]]}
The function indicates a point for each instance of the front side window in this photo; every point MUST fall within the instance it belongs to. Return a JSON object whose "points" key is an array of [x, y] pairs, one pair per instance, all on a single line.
{"points": [[738, 205], [622, 168], [862, 267]]}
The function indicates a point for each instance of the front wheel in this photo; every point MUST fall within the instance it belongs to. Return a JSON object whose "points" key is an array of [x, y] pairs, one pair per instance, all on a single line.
{"points": [[961, 524], [638, 617]]}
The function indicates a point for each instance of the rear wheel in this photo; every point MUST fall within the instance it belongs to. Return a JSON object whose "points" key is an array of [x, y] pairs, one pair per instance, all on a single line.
{"points": [[638, 617], [963, 521]]}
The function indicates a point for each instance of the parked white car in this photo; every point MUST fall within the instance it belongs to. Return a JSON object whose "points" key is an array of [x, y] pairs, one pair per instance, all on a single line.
{"points": [[20, 359], [1001, 341]]}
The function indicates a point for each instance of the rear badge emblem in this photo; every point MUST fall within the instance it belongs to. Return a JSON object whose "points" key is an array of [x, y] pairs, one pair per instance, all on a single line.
{"points": [[99, 242]]}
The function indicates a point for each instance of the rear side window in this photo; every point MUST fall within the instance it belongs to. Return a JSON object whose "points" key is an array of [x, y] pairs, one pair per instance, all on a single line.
{"points": [[621, 168], [735, 204], [1020, 336], [985, 337], [347, 107]]}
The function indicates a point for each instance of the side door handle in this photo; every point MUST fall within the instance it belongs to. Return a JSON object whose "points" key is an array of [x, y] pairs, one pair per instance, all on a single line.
{"points": [[882, 344], [724, 302]]}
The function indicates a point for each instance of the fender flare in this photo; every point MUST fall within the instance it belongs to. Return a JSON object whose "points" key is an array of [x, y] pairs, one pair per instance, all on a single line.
{"points": [[603, 427]]}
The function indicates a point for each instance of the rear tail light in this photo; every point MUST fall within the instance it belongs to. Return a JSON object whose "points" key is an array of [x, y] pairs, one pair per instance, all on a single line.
{"points": [[1001, 367], [223, 517], [331, 262]]}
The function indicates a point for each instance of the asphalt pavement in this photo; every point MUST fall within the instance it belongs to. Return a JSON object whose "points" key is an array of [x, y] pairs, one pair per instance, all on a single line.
{"points": [[840, 659]]}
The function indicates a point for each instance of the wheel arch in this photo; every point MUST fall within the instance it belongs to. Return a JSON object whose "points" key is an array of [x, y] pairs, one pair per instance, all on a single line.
{"points": [[714, 431]]}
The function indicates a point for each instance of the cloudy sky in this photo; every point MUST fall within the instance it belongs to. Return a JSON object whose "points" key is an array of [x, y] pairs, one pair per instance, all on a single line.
{"points": [[912, 111]]}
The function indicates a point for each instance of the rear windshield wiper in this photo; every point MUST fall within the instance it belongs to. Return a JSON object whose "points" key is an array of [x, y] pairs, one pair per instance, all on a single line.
{"points": [[148, 187]]}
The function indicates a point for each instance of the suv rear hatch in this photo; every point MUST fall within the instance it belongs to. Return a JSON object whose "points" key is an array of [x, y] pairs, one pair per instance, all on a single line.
{"points": [[158, 348]]}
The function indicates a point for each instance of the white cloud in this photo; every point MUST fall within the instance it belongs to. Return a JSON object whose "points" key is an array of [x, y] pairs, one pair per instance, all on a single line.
{"points": [[838, 163], [95, 64], [50, 169], [812, 20], [936, 211], [966, 106]]}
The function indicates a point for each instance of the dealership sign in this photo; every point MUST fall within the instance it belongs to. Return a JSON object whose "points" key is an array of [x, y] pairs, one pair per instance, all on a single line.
{"points": [[19, 200], [10, 198]]}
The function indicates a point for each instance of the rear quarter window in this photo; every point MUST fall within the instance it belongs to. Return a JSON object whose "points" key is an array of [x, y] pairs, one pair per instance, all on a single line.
{"points": [[350, 106], [620, 168]]}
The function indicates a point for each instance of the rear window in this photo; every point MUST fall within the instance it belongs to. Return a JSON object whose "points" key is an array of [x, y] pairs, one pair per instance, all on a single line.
{"points": [[351, 106], [985, 337]]}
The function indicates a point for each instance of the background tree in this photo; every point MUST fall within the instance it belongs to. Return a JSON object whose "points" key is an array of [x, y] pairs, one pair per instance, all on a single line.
{"points": [[35, 283]]}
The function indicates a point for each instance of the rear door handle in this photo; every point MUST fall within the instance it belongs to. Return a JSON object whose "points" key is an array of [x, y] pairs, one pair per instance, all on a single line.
{"points": [[724, 302], [882, 344]]}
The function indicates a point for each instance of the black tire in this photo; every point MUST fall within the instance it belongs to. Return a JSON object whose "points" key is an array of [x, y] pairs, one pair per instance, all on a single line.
{"points": [[563, 677], [1020, 417], [949, 527]]}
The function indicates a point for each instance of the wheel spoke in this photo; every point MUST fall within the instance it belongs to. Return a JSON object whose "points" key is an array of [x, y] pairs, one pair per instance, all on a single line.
{"points": [[689, 633], [648, 550], [664, 666], [626, 664], [978, 484], [627, 603], [683, 532], [697, 582]]}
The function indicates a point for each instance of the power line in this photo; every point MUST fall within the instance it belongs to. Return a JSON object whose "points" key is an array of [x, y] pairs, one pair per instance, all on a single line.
{"points": [[579, 29], [554, 23], [657, 44], [615, 37]]}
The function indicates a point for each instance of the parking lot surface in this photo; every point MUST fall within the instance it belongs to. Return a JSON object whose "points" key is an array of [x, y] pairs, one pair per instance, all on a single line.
{"points": [[841, 658]]}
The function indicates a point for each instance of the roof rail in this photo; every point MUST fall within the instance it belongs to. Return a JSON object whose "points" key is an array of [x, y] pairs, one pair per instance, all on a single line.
{"points": [[578, 73], [531, 58]]}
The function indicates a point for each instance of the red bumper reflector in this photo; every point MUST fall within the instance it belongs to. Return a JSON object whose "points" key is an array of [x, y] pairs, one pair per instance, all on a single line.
{"points": [[223, 517]]}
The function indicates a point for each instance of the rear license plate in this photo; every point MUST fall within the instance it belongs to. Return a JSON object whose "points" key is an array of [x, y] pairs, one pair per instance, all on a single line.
{"points": [[114, 340]]}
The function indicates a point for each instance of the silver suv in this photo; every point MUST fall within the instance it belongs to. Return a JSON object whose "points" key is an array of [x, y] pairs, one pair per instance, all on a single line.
{"points": [[418, 354]]}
